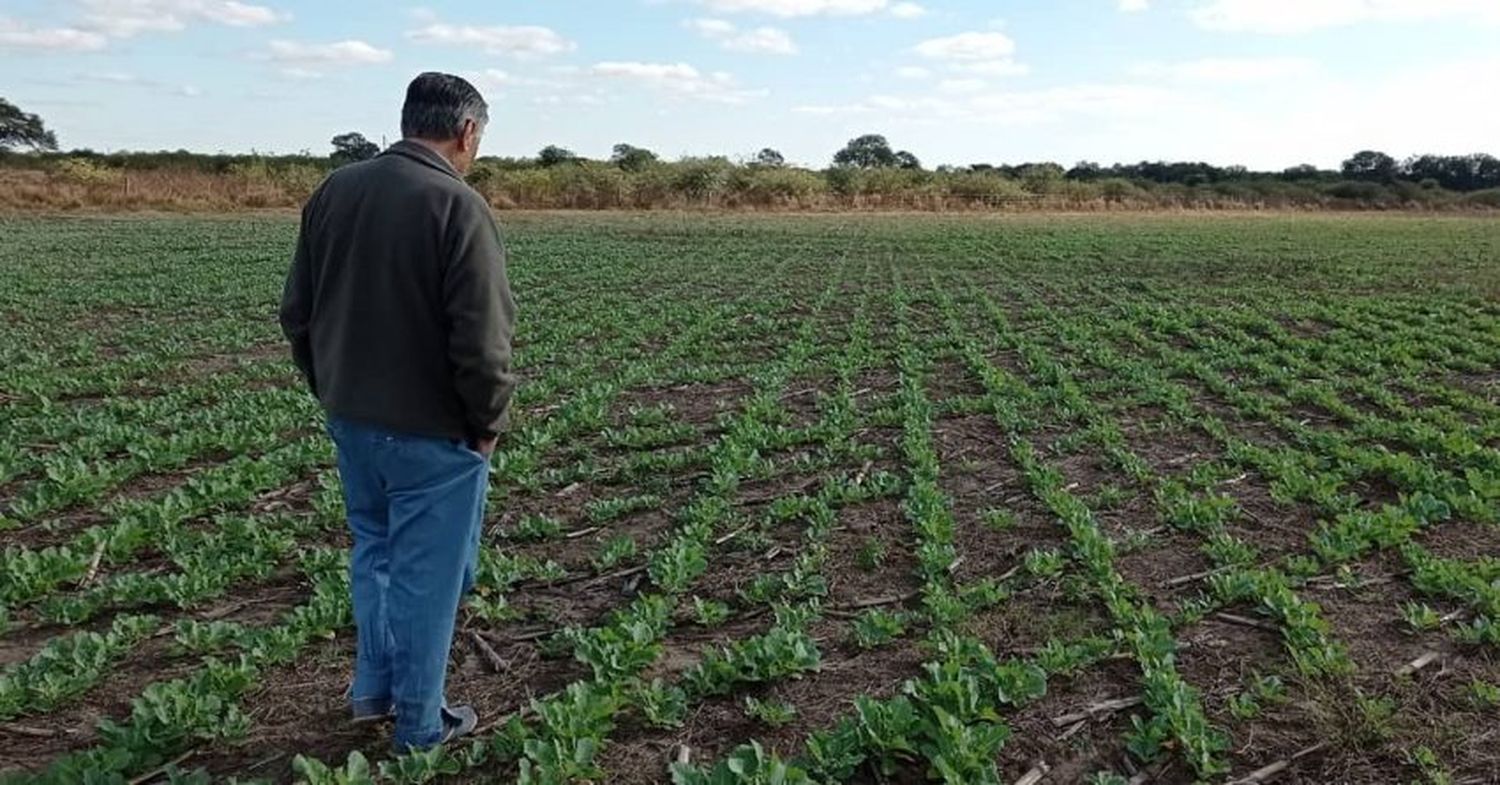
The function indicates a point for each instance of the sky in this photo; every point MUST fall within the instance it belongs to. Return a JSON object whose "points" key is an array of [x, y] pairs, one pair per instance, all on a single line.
{"points": [[1261, 83]]}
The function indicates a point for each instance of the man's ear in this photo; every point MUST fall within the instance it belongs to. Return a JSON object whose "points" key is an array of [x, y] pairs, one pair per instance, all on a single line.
{"points": [[470, 137]]}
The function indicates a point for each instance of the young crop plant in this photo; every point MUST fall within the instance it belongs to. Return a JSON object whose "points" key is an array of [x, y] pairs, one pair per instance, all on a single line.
{"points": [[68, 667], [604, 510], [355, 771], [674, 568], [1045, 563], [998, 519], [1431, 767], [1186, 510], [805, 580], [774, 714], [536, 528], [616, 551], [1484, 695], [566, 743], [1247, 703], [781, 652], [875, 627], [1419, 616], [710, 613], [196, 637], [753, 541], [1225, 549], [1305, 632], [629, 643], [749, 764], [648, 437], [663, 705], [871, 554], [1482, 630], [948, 718], [420, 767], [1374, 718], [983, 594]]}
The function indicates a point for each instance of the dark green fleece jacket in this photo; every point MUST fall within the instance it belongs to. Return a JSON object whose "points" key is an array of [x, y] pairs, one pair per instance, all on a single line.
{"points": [[397, 305]]}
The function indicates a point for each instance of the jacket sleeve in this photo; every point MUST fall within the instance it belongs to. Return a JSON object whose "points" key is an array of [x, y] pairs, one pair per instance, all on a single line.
{"points": [[296, 305], [481, 319]]}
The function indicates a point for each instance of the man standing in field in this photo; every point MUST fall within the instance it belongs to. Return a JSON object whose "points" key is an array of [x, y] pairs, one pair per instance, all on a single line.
{"points": [[400, 317]]}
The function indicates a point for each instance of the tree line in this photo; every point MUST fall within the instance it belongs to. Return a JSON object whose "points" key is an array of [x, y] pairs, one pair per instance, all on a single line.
{"points": [[1461, 173], [867, 171]]}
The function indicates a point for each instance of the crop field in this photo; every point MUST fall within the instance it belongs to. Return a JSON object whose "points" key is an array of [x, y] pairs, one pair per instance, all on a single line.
{"points": [[847, 498]]}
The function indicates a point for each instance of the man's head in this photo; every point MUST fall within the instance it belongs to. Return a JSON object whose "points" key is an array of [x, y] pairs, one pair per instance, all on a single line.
{"points": [[447, 114]]}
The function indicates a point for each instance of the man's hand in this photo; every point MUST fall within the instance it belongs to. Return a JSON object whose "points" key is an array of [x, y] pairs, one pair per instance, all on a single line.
{"points": [[486, 447]]}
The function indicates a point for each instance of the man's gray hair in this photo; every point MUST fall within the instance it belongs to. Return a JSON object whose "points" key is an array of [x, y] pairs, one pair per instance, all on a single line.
{"points": [[438, 104]]}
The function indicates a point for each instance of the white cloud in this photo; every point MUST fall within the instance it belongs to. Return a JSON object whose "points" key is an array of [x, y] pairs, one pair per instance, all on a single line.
{"points": [[762, 40], [113, 77], [495, 76], [829, 110], [913, 72], [518, 41], [236, 14], [1228, 70], [768, 40], [337, 53], [790, 9], [969, 47], [984, 54], [298, 73], [995, 68], [1134, 6], [962, 86], [123, 79], [14, 35], [125, 18], [496, 79], [797, 8], [711, 28], [1012, 108], [679, 79], [567, 101], [1286, 17]]}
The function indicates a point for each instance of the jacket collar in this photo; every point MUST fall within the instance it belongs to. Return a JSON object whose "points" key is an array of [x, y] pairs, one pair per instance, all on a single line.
{"points": [[423, 154]]}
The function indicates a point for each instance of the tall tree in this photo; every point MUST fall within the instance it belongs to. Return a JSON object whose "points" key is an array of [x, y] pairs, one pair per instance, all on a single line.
{"points": [[770, 158], [1487, 171], [632, 158], [351, 147], [1370, 166], [19, 129], [1086, 171], [870, 151], [906, 160], [552, 155]]}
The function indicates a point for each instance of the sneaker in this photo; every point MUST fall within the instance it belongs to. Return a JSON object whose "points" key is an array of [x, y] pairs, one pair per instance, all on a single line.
{"points": [[458, 722]]}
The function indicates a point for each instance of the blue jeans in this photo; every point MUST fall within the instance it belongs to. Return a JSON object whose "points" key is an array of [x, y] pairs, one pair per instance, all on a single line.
{"points": [[415, 507]]}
